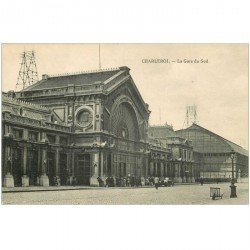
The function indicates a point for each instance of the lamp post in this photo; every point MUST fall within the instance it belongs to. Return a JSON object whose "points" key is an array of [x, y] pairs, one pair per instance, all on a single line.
{"points": [[232, 186]]}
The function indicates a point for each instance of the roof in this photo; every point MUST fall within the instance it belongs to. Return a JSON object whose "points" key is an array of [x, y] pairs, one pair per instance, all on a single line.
{"points": [[101, 81], [82, 78], [234, 146], [161, 131], [27, 109]]}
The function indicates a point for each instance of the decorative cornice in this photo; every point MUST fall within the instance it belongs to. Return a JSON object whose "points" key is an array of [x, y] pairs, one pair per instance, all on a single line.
{"points": [[11, 100], [83, 72]]}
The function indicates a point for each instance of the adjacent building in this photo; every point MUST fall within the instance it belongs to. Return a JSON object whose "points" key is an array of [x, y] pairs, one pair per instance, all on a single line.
{"points": [[180, 163], [212, 154]]}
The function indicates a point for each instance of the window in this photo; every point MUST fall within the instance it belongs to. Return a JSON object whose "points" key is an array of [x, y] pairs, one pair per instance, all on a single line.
{"points": [[51, 138], [84, 118], [33, 136], [63, 141], [18, 133]]}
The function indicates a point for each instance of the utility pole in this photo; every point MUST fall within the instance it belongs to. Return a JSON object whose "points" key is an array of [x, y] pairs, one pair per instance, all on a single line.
{"points": [[28, 71], [191, 115]]}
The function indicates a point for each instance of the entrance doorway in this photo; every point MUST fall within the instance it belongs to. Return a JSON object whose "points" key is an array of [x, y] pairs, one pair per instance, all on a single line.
{"points": [[17, 166], [122, 169], [51, 168], [83, 169], [63, 169], [32, 170]]}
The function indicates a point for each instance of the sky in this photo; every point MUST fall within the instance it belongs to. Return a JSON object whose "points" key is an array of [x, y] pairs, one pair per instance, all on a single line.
{"points": [[218, 87]]}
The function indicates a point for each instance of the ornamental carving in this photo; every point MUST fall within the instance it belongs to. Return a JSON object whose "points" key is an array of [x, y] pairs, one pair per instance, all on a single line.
{"points": [[84, 116]]}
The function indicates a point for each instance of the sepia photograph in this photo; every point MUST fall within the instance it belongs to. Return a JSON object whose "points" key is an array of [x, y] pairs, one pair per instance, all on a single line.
{"points": [[125, 124]]}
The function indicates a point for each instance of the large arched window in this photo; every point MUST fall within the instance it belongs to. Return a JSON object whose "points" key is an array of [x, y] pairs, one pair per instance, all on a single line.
{"points": [[124, 122]]}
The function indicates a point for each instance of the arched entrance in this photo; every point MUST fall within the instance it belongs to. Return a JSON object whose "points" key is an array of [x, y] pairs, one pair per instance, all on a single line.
{"points": [[17, 166], [124, 125]]}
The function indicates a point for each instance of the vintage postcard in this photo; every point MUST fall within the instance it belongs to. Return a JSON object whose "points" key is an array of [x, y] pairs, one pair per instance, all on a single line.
{"points": [[125, 124]]}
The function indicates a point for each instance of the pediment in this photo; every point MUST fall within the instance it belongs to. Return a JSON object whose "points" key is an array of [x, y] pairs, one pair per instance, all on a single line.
{"points": [[128, 89]]}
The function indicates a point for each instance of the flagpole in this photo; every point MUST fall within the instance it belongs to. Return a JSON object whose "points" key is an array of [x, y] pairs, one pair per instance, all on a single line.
{"points": [[100, 57]]}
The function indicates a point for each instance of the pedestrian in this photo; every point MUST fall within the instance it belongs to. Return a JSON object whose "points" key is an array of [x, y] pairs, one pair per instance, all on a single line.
{"points": [[100, 181], [127, 182], [112, 181], [166, 182], [202, 181], [74, 181], [156, 181], [152, 180], [108, 182], [68, 181], [132, 181]]}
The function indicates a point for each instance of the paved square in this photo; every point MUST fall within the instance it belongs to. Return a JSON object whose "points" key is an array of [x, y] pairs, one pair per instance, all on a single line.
{"points": [[179, 194]]}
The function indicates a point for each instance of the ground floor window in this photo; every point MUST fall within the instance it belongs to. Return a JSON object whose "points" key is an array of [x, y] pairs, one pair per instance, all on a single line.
{"points": [[83, 172]]}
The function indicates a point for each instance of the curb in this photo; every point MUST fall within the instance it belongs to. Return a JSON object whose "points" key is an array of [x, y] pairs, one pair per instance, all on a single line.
{"points": [[21, 190]]}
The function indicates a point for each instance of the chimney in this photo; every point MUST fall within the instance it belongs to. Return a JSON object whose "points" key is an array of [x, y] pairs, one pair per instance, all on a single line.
{"points": [[124, 68], [45, 77]]}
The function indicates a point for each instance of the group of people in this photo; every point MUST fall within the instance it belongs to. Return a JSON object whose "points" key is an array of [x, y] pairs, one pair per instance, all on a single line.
{"points": [[120, 181], [162, 181], [131, 181]]}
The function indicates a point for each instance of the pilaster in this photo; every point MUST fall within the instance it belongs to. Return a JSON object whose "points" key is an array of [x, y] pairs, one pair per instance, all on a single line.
{"points": [[25, 178], [44, 179], [177, 177], [94, 172]]}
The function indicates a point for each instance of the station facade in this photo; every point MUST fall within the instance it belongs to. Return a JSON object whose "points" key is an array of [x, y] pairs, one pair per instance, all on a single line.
{"points": [[82, 126], [95, 124]]}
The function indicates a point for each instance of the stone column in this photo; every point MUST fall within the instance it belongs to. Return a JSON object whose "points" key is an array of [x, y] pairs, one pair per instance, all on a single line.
{"points": [[57, 162], [57, 166], [39, 170], [184, 178], [188, 174], [44, 179], [151, 170], [145, 165], [192, 173], [73, 163], [8, 178], [25, 178], [155, 169], [95, 167], [69, 177], [168, 167], [112, 168], [177, 169], [172, 170], [162, 169], [101, 165]]}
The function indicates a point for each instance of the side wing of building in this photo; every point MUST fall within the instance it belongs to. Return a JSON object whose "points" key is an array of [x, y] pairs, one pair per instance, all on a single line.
{"points": [[212, 153]]}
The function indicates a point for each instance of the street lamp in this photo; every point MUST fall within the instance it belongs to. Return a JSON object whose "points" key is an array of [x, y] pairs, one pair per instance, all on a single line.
{"points": [[232, 186]]}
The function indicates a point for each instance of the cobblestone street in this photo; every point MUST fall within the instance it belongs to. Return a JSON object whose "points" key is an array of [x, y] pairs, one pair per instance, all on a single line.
{"points": [[179, 194]]}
